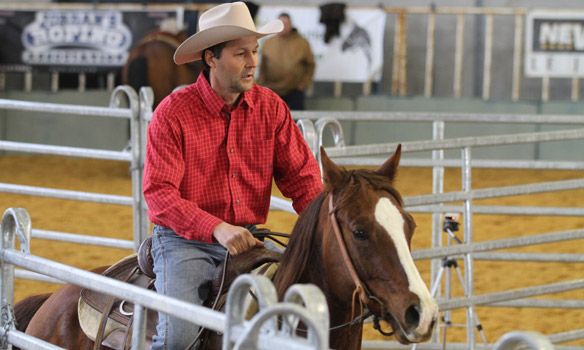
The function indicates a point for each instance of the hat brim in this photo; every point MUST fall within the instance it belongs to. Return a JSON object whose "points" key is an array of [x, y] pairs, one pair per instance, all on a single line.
{"points": [[191, 49]]}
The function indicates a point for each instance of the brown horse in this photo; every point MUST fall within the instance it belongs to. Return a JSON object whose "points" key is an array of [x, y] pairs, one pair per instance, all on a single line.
{"points": [[374, 232], [150, 63]]}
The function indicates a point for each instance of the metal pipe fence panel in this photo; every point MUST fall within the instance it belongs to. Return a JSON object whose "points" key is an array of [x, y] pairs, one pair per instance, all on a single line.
{"points": [[200, 315], [16, 222], [481, 251], [122, 95], [429, 203]]}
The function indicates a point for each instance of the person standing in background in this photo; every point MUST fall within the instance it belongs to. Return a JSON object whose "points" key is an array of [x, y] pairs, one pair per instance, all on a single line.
{"points": [[287, 65]]}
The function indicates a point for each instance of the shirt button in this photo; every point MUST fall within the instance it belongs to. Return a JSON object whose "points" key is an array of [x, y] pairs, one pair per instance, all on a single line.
{"points": [[232, 175], [237, 201], [203, 239], [232, 150]]}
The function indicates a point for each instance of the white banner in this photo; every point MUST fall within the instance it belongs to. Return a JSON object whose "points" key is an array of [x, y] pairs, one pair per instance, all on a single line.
{"points": [[356, 56], [554, 44]]}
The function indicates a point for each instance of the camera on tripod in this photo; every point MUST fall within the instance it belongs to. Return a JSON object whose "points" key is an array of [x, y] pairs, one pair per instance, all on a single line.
{"points": [[450, 226], [450, 222]]}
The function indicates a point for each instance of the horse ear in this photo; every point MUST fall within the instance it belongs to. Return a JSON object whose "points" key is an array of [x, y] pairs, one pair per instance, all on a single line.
{"points": [[389, 168], [332, 174]]}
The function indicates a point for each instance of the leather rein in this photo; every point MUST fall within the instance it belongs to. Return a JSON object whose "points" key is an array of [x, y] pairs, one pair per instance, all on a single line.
{"points": [[361, 291]]}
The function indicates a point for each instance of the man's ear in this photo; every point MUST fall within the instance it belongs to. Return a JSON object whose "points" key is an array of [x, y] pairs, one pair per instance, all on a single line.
{"points": [[208, 57]]}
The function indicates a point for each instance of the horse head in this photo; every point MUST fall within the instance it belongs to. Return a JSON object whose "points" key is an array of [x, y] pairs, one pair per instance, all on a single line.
{"points": [[377, 232]]}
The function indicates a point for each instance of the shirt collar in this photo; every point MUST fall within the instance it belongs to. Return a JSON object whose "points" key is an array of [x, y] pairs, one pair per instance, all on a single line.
{"points": [[215, 105]]}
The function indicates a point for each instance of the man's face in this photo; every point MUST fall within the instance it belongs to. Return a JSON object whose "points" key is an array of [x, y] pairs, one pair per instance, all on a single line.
{"points": [[234, 71]]}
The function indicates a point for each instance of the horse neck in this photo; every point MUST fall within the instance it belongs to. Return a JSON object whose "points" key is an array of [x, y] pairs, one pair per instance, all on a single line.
{"points": [[347, 338], [309, 272], [314, 272]]}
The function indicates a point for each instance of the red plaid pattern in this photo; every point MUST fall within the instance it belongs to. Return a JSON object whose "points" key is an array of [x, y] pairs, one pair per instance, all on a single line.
{"points": [[207, 163]]}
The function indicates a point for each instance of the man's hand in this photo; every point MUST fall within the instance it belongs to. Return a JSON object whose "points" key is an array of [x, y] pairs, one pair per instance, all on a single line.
{"points": [[236, 239]]}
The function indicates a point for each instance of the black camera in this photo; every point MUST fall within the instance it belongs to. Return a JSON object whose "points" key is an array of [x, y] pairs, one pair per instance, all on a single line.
{"points": [[450, 222]]}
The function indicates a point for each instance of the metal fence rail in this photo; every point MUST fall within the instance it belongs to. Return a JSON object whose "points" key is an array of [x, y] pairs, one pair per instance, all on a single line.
{"points": [[57, 108], [360, 116], [122, 95], [305, 302], [458, 143], [65, 151]]}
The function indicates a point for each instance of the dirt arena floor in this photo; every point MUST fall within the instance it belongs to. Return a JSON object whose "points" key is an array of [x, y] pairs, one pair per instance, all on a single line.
{"points": [[116, 221]]}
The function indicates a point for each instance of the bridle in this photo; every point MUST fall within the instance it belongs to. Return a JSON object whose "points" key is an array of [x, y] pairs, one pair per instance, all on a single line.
{"points": [[361, 290]]}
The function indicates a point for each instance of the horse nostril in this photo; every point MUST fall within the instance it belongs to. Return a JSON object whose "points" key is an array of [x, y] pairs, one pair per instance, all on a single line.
{"points": [[413, 316]]}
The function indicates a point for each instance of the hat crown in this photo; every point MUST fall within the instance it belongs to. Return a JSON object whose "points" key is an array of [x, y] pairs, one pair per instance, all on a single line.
{"points": [[234, 14], [222, 23]]}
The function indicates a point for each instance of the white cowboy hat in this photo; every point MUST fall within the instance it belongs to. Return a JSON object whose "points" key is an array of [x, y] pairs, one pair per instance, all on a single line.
{"points": [[222, 23]]}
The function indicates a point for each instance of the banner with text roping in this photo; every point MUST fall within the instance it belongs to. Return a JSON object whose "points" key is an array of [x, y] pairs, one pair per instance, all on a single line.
{"points": [[74, 40]]}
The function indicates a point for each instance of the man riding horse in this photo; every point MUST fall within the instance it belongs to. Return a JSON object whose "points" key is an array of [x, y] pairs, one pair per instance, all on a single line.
{"points": [[213, 149]]}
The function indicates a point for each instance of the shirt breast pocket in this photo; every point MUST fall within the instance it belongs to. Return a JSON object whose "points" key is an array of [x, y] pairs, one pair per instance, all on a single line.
{"points": [[204, 149], [258, 157]]}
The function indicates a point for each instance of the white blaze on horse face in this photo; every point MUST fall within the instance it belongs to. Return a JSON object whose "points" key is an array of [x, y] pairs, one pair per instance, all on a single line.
{"points": [[390, 218]]}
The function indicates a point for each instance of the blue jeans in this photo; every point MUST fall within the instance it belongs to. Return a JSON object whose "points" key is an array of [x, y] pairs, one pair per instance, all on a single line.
{"points": [[184, 270]]}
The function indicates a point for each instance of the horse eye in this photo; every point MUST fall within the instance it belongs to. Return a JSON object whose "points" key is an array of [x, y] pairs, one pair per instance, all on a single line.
{"points": [[360, 235]]}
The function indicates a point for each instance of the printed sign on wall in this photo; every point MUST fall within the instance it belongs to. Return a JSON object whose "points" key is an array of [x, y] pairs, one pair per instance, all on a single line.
{"points": [[554, 45], [73, 40], [79, 38], [356, 55]]}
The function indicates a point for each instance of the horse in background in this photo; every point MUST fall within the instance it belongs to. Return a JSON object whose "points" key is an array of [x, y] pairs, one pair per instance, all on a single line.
{"points": [[150, 63]]}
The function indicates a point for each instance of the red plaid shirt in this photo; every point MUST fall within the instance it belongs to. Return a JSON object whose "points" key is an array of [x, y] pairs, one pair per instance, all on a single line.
{"points": [[207, 163]]}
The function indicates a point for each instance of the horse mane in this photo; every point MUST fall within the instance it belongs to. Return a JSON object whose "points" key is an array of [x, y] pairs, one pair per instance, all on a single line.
{"points": [[301, 246]]}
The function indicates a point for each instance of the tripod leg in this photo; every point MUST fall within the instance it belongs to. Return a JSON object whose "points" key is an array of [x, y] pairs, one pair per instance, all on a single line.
{"points": [[444, 338], [479, 327], [437, 281]]}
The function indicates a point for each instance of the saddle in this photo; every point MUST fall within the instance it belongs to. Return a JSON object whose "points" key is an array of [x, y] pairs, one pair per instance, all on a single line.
{"points": [[108, 321]]}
